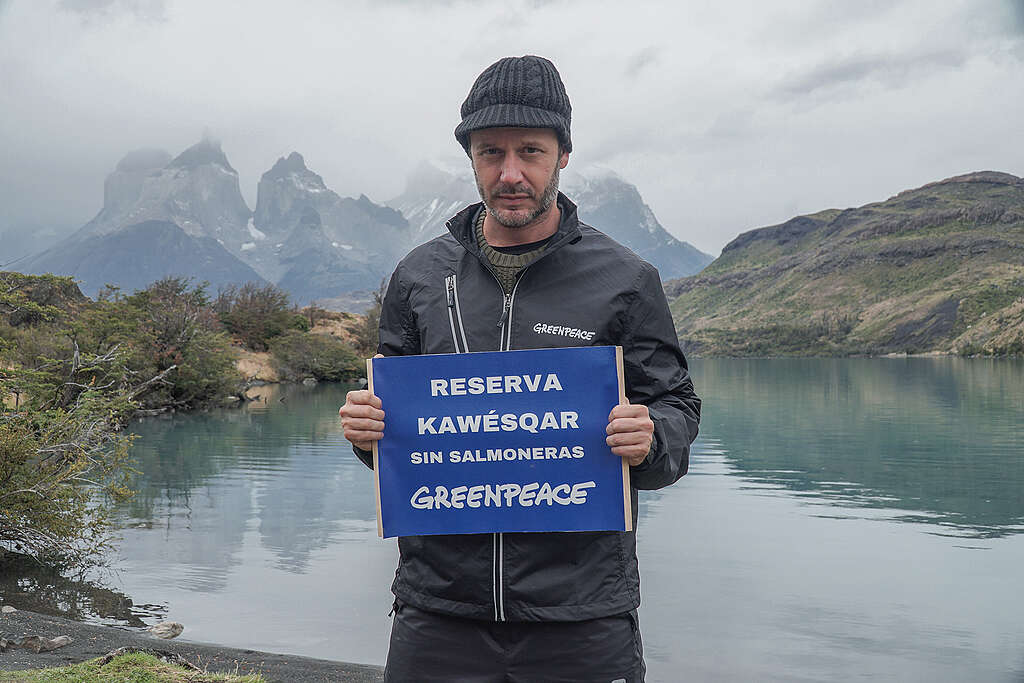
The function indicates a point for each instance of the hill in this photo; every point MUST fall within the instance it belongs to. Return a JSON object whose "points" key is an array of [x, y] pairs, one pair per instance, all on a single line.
{"points": [[939, 268], [136, 255]]}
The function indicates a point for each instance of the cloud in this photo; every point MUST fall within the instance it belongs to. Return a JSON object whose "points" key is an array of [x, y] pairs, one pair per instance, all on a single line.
{"points": [[887, 70], [726, 116], [640, 61], [1015, 8], [152, 10]]}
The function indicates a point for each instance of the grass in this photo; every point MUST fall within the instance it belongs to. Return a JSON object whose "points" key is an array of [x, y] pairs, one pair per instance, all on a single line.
{"points": [[133, 667]]}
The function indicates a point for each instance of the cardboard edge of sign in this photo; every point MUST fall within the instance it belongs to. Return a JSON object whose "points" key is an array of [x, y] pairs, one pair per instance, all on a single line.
{"points": [[627, 500], [376, 455]]}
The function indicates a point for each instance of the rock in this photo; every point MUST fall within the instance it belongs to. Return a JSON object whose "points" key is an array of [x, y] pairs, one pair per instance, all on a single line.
{"points": [[309, 381], [166, 629], [30, 643], [54, 643], [7, 609]]}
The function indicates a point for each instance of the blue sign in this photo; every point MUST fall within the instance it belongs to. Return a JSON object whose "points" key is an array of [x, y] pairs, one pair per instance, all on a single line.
{"points": [[499, 441]]}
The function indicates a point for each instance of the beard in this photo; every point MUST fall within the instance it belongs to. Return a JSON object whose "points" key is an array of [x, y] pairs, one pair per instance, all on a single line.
{"points": [[524, 217]]}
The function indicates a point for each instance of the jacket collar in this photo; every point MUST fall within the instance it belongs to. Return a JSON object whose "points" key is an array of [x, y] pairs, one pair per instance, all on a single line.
{"points": [[463, 229]]}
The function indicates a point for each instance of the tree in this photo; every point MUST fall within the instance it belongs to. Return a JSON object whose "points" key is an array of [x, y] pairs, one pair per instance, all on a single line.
{"points": [[78, 370], [256, 314], [60, 445], [176, 329], [298, 355], [367, 333], [53, 464]]}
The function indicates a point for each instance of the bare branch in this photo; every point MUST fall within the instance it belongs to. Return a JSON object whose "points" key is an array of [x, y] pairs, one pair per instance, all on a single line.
{"points": [[150, 382]]}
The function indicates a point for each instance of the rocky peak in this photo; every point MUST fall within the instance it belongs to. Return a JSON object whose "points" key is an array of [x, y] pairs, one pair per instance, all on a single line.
{"points": [[197, 191], [145, 159], [285, 192], [293, 163], [616, 207], [206, 151], [434, 192], [123, 187], [384, 214], [290, 174]]}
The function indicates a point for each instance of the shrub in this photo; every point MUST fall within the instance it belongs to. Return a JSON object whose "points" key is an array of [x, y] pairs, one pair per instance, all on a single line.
{"points": [[170, 332], [256, 314], [298, 355], [72, 372], [367, 332], [52, 463]]}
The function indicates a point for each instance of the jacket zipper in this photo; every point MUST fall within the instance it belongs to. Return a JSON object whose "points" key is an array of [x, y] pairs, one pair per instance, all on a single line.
{"points": [[455, 313], [504, 344]]}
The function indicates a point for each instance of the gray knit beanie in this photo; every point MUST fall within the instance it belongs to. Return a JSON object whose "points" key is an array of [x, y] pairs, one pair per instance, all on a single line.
{"points": [[517, 92]]}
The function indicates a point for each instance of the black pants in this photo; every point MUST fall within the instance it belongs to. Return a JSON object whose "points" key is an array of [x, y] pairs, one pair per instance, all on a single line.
{"points": [[426, 647]]}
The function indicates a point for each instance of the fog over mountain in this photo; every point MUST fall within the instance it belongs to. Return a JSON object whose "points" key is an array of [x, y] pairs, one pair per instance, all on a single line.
{"points": [[436, 190], [725, 115], [185, 216]]}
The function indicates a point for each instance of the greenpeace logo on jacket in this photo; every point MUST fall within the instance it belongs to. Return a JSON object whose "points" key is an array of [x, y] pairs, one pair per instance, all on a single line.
{"points": [[571, 332]]}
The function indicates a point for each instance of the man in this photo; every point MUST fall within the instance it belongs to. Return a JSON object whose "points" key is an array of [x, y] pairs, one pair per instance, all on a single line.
{"points": [[521, 271]]}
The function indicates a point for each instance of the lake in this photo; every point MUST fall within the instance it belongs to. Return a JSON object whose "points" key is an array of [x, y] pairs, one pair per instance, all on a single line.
{"points": [[842, 519]]}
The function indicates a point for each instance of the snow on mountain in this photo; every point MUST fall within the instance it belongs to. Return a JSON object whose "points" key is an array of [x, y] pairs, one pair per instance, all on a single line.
{"points": [[303, 236], [436, 190], [615, 207], [344, 243]]}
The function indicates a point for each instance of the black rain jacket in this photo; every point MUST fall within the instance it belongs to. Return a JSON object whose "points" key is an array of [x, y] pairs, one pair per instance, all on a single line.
{"points": [[584, 289]]}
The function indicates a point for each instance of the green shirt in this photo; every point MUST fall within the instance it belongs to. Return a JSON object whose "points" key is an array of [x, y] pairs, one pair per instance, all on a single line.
{"points": [[507, 261]]}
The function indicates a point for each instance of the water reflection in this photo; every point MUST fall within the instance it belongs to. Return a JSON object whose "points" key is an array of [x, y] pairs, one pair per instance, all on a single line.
{"points": [[277, 467], [776, 558], [26, 584], [936, 439]]}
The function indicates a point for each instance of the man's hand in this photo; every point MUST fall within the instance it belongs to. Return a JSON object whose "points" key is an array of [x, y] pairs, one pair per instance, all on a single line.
{"points": [[362, 419], [630, 432]]}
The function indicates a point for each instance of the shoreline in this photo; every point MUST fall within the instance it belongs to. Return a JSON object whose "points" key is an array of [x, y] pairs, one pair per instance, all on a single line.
{"points": [[90, 641]]}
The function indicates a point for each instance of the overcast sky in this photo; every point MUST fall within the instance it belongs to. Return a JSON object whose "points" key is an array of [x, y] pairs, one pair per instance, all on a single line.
{"points": [[727, 116]]}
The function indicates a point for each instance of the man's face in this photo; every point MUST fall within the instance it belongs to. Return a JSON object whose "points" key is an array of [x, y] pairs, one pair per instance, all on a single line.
{"points": [[516, 172]]}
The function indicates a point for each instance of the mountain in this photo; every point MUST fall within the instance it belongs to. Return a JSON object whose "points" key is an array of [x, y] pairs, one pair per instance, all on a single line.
{"points": [[436, 191], [198, 190], [315, 243], [137, 255], [616, 208], [314, 266], [302, 236], [181, 216], [936, 268]]}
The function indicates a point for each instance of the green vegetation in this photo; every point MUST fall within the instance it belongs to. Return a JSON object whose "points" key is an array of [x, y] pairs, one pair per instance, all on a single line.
{"points": [[74, 371], [297, 355], [255, 314], [936, 269], [64, 403], [133, 667], [368, 330]]}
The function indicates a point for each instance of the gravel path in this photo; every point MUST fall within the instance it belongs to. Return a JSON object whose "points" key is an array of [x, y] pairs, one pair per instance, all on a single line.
{"points": [[95, 641]]}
